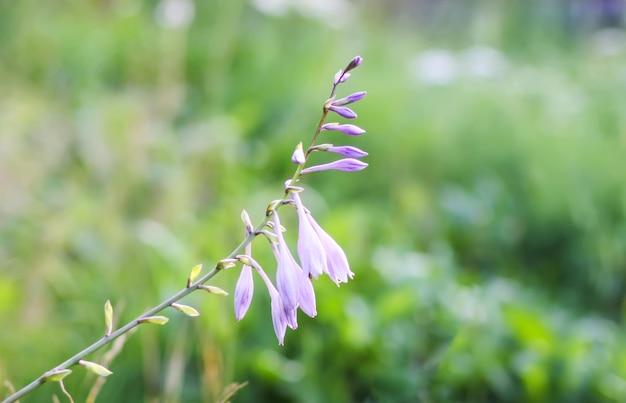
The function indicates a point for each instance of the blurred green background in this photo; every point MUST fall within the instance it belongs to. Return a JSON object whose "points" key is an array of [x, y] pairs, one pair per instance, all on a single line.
{"points": [[488, 235]]}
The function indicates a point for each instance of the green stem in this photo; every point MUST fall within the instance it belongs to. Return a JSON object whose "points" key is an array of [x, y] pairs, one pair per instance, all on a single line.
{"points": [[182, 293], [137, 321]]}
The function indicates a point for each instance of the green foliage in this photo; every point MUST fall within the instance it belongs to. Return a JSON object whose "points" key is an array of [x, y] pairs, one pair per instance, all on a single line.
{"points": [[488, 235]]}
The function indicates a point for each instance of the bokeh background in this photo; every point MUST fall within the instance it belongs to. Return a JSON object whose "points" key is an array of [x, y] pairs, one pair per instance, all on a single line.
{"points": [[488, 235]]}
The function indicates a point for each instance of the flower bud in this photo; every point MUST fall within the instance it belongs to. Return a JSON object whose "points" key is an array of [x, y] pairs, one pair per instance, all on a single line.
{"points": [[351, 130], [95, 368], [156, 320], [298, 155], [346, 165]]}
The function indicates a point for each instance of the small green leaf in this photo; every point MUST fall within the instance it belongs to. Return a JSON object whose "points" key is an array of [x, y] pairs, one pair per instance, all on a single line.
{"points": [[213, 290], [95, 368], [56, 375], [195, 272], [186, 309], [108, 317], [156, 320]]}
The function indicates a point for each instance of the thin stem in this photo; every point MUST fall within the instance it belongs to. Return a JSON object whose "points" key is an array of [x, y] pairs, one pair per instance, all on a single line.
{"points": [[135, 322], [185, 291]]}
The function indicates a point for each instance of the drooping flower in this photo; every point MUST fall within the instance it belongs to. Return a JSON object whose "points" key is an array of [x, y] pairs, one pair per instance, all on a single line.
{"points": [[310, 249], [287, 272], [351, 130], [243, 292], [345, 164], [280, 319], [336, 260]]}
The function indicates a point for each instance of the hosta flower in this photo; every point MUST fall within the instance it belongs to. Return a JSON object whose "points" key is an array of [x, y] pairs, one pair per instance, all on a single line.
{"points": [[346, 165], [243, 292], [287, 272], [336, 260], [281, 318], [351, 130], [310, 249]]}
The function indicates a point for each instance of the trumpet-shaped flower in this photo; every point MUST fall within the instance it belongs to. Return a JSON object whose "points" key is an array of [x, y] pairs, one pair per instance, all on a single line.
{"points": [[310, 249], [346, 165], [244, 288], [286, 272], [337, 265]]}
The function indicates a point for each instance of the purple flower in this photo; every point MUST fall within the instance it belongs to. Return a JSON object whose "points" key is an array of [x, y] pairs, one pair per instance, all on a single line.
{"points": [[348, 129], [336, 260], [310, 249], [245, 286], [243, 292], [287, 276], [280, 317], [343, 111], [345, 164], [298, 155], [357, 96], [347, 151]]}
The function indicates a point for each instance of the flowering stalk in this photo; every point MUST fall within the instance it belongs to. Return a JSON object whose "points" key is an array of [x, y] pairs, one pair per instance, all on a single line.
{"points": [[294, 288]]}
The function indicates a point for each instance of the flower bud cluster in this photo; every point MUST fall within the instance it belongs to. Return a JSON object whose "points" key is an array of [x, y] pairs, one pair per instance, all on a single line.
{"points": [[317, 252]]}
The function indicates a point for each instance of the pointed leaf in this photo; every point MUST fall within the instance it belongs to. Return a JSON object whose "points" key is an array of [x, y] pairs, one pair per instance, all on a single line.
{"points": [[195, 272]]}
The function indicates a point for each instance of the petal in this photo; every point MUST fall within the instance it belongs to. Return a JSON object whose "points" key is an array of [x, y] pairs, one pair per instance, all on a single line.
{"points": [[306, 297], [286, 273], [310, 249], [337, 262], [278, 317], [243, 292]]}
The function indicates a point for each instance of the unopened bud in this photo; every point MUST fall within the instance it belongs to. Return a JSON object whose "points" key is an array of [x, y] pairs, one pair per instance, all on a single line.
{"points": [[155, 320], [186, 309], [95, 368]]}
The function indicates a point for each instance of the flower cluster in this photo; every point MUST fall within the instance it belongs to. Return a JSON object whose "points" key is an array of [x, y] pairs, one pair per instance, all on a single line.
{"points": [[318, 253]]}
